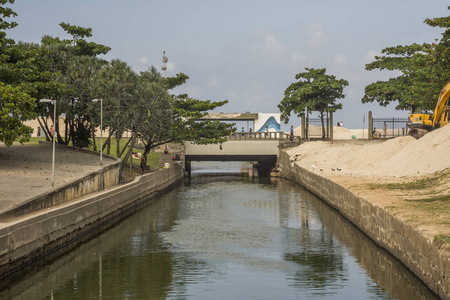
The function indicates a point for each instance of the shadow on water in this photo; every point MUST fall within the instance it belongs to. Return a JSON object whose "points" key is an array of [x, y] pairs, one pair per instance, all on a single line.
{"points": [[88, 269], [133, 260]]}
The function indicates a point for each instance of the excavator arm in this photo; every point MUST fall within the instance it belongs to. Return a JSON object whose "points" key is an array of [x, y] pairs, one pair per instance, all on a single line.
{"points": [[440, 105]]}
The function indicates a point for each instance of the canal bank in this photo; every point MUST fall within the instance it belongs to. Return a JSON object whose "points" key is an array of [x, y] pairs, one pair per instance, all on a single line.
{"points": [[51, 225], [404, 242]]}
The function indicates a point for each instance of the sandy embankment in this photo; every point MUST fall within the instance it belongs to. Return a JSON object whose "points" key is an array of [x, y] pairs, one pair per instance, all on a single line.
{"points": [[356, 163]]}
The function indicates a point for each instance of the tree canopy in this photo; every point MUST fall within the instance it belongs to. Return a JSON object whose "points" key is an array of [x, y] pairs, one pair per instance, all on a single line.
{"points": [[314, 91], [423, 70], [69, 71]]}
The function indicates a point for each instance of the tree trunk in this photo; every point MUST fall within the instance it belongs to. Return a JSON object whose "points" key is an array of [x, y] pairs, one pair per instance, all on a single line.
{"points": [[118, 136], [128, 153], [93, 137], [109, 142], [125, 147], [323, 125]]}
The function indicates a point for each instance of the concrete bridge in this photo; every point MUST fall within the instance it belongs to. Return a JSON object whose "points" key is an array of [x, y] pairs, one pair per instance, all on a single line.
{"points": [[260, 147]]}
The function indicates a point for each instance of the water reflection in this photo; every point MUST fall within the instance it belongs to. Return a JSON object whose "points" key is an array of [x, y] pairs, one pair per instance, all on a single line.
{"points": [[386, 271], [224, 238]]}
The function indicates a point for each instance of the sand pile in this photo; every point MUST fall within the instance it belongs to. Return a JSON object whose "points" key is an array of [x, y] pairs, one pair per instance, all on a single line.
{"points": [[339, 133], [402, 156]]}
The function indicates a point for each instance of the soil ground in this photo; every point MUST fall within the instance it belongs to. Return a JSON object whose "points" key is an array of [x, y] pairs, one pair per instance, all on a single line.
{"points": [[26, 170]]}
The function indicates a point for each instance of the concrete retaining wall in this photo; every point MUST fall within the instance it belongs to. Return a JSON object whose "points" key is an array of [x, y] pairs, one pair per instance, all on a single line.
{"points": [[96, 181], [416, 252], [27, 239]]}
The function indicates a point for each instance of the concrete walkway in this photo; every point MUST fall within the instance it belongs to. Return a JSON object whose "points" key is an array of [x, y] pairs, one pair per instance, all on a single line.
{"points": [[26, 170]]}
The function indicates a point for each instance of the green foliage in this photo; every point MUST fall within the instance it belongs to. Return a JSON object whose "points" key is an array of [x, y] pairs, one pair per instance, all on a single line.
{"points": [[423, 69], [187, 126], [411, 89], [153, 109], [173, 82], [82, 47], [314, 91], [6, 12], [419, 184], [15, 107], [69, 71], [441, 239]]}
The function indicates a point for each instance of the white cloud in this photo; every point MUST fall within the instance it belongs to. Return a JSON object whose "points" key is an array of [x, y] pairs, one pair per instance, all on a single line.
{"points": [[194, 91], [213, 82], [340, 60], [315, 34], [267, 45], [298, 59], [254, 83], [170, 66], [370, 56], [143, 60]]}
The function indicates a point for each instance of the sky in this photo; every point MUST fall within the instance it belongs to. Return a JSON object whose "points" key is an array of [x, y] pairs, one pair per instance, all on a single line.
{"points": [[246, 51]]}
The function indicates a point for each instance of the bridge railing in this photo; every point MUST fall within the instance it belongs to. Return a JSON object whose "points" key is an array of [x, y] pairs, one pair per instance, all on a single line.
{"points": [[263, 136]]}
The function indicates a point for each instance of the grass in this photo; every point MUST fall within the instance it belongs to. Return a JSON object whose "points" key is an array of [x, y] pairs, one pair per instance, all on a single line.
{"points": [[419, 184], [428, 197], [443, 198], [152, 157], [441, 239]]}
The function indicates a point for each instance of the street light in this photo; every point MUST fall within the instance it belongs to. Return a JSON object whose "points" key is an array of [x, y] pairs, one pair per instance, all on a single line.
{"points": [[101, 129], [53, 136]]}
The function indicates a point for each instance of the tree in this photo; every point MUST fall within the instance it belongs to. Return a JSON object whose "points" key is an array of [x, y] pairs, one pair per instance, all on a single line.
{"points": [[72, 63], [24, 77], [15, 107], [314, 91], [407, 89], [6, 12], [116, 84], [423, 69], [180, 120]]}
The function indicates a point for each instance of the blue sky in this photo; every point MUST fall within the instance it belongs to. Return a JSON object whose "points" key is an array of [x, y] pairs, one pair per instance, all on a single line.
{"points": [[245, 51]]}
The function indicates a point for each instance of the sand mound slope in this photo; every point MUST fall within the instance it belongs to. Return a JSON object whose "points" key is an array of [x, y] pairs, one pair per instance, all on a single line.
{"points": [[402, 156]]}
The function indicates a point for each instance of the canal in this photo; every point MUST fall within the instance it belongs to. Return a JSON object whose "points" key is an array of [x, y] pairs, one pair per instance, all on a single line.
{"points": [[222, 236]]}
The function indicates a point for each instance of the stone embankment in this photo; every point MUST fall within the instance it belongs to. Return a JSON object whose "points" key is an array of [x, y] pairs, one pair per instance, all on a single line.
{"points": [[403, 241]]}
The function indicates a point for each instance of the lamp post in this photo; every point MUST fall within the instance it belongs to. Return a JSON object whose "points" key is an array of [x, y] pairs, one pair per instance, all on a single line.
{"points": [[53, 136], [101, 129]]}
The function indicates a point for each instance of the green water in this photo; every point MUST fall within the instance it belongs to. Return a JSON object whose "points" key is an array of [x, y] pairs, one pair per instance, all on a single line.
{"points": [[225, 237]]}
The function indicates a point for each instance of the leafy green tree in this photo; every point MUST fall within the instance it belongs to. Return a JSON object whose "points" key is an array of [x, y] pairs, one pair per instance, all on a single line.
{"points": [[25, 73], [154, 118], [81, 47], [180, 119], [314, 91], [6, 12], [408, 88], [423, 69], [72, 64], [15, 107], [77, 103], [439, 67]]}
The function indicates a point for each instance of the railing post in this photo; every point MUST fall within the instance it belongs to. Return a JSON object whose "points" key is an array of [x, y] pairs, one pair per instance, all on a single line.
{"points": [[331, 127], [370, 125], [302, 126]]}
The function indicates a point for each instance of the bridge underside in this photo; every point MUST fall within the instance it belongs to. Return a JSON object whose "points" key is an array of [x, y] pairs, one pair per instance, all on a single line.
{"points": [[264, 166], [225, 157]]}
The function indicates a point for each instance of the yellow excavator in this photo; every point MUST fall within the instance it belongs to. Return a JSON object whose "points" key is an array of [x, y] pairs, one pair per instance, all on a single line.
{"points": [[421, 123]]}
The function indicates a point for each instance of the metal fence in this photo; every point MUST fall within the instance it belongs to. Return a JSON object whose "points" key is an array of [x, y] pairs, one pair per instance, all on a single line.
{"points": [[390, 127], [314, 128]]}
